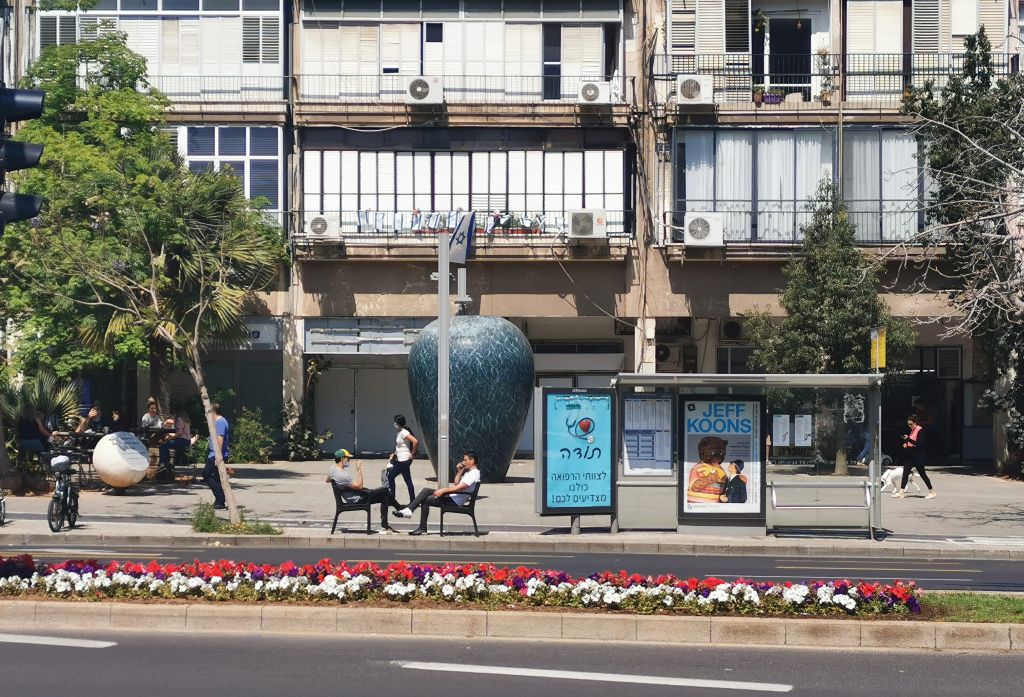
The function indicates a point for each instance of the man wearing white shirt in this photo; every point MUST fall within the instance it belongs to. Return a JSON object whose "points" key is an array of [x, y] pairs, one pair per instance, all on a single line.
{"points": [[467, 478]]}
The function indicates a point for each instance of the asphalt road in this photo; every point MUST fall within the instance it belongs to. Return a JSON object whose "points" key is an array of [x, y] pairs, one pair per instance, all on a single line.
{"points": [[122, 664], [938, 574]]}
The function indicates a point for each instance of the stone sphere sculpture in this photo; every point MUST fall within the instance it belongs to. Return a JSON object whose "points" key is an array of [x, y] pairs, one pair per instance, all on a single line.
{"points": [[491, 382], [121, 460]]}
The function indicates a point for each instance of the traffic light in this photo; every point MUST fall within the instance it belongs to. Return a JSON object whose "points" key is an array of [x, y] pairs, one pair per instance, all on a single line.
{"points": [[18, 105]]}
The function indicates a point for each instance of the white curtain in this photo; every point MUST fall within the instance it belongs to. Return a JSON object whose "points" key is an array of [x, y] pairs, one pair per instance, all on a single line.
{"points": [[861, 182], [813, 164], [733, 182], [899, 185], [700, 170], [776, 186]]}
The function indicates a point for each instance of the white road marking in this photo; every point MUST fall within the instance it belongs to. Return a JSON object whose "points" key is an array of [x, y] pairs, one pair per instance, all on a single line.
{"points": [[596, 677], [55, 641], [861, 578]]}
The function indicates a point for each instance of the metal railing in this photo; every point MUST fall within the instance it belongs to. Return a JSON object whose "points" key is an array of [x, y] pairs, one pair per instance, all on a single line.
{"points": [[780, 222], [821, 80], [230, 89], [373, 227], [491, 89]]}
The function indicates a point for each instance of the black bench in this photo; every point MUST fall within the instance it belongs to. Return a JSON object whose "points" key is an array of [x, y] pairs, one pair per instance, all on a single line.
{"points": [[342, 506], [469, 509]]}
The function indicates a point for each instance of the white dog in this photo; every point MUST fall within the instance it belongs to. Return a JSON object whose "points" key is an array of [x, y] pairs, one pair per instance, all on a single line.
{"points": [[891, 479]]}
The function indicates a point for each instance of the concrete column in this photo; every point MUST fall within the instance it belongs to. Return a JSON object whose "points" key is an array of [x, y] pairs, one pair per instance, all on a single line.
{"points": [[644, 346], [293, 331]]}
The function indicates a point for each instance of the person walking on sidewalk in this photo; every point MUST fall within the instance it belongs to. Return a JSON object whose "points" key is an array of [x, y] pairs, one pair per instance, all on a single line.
{"points": [[467, 478], [341, 473], [915, 456], [220, 438], [406, 445]]}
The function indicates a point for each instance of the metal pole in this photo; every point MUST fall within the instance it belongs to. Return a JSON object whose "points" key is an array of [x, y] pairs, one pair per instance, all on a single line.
{"points": [[442, 359]]}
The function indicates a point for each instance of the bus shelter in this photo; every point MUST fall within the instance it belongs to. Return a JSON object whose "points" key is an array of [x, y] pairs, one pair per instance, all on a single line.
{"points": [[712, 453]]}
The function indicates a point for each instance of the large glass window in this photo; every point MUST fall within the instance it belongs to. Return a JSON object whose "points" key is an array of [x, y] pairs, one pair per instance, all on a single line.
{"points": [[252, 154]]}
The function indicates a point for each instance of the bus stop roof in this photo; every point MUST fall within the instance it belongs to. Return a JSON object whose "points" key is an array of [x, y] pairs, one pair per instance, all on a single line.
{"points": [[856, 380]]}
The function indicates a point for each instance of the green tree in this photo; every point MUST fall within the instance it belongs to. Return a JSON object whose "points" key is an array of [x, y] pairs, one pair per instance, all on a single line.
{"points": [[146, 248], [832, 302], [971, 133]]}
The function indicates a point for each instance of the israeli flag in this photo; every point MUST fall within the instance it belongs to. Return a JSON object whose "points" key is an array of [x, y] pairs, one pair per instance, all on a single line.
{"points": [[461, 238]]}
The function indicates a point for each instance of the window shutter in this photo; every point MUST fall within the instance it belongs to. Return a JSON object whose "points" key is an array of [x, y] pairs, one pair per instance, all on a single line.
{"points": [[683, 26], [993, 15], [454, 48], [964, 17], [889, 26], [860, 26], [270, 44], [523, 48], [874, 26], [737, 26], [47, 32], [251, 39], [68, 30], [711, 26], [926, 26], [400, 47], [592, 50]]}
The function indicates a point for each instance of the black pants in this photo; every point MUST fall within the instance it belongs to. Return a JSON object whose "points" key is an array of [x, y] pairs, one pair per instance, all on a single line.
{"points": [[211, 475], [424, 500], [919, 466], [403, 468], [382, 496]]}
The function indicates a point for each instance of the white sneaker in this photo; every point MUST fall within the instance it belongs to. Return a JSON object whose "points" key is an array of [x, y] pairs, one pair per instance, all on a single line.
{"points": [[404, 513], [897, 495], [931, 495]]}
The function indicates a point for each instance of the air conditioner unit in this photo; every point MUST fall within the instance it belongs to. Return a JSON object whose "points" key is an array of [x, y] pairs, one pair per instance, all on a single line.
{"points": [[324, 227], [424, 90], [731, 330], [588, 225], [703, 230], [666, 358], [695, 89], [595, 93]]}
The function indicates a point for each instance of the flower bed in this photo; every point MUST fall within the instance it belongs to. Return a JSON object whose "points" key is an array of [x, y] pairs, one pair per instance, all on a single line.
{"points": [[474, 584]]}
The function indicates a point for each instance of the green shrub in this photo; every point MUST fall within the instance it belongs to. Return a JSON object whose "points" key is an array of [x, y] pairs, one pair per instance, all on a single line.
{"points": [[250, 442], [204, 519], [301, 440]]}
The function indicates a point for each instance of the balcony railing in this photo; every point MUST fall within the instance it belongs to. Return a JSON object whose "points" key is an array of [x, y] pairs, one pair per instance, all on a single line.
{"points": [[421, 227], [819, 80], [780, 222], [222, 89], [490, 89]]}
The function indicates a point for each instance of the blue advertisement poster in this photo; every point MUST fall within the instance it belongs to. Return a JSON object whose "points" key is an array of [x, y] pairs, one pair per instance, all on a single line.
{"points": [[579, 452]]}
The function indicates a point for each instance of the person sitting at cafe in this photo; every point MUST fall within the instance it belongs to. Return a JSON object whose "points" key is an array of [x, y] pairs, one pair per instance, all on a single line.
{"points": [[94, 422], [180, 438], [151, 419], [32, 434], [350, 480]]}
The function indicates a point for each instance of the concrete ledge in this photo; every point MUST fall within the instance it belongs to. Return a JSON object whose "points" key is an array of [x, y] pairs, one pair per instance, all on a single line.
{"points": [[403, 621]]}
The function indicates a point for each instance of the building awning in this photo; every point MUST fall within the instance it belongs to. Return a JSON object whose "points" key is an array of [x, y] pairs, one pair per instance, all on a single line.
{"points": [[859, 380]]}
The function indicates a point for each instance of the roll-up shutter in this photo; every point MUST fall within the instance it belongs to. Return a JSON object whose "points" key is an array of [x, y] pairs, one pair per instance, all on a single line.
{"points": [[683, 26], [711, 26]]}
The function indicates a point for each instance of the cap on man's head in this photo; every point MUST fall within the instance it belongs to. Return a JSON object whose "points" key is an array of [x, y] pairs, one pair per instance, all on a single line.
{"points": [[341, 454], [739, 465]]}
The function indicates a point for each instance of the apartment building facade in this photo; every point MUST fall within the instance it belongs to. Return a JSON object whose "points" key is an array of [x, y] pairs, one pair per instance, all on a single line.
{"points": [[368, 125]]}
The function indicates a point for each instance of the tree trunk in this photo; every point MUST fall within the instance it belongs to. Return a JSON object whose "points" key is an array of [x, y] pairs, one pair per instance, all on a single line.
{"points": [[7, 473], [1006, 461], [839, 428], [195, 367], [159, 367]]}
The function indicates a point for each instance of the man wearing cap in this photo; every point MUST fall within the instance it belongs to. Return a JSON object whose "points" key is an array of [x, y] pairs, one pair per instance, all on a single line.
{"points": [[736, 488], [351, 483]]}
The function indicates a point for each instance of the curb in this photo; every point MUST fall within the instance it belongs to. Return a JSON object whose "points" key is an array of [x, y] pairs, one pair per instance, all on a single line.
{"points": [[402, 621], [510, 542]]}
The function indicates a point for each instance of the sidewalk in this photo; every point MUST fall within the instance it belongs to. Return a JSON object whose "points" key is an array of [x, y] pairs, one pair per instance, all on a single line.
{"points": [[972, 513]]}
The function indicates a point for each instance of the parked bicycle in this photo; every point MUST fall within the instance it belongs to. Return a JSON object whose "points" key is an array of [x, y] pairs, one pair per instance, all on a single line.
{"points": [[64, 503]]}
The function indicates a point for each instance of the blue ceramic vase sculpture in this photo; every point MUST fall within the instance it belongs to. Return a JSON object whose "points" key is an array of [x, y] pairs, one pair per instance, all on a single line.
{"points": [[491, 381]]}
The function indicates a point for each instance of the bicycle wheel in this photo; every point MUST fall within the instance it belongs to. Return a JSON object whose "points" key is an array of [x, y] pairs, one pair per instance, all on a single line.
{"points": [[55, 515], [72, 514]]}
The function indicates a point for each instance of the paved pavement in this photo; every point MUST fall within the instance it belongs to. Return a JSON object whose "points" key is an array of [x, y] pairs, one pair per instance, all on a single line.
{"points": [[970, 509], [111, 663]]}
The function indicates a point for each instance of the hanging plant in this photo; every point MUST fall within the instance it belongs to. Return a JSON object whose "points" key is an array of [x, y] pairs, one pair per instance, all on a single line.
{"points": [[759, 21]]}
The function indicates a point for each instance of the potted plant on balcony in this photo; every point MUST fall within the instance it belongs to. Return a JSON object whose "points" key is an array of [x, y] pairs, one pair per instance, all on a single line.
{"points": [[773, 95], [827, 75], [758, 21], [758, 94]]}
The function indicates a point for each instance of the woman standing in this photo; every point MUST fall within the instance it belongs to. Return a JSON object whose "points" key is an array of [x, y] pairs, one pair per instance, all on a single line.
{"points": [[915, 455], [406, 445]]}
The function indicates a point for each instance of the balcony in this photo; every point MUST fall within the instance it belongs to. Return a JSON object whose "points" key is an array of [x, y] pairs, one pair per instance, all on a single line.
{"points": [[223, 94], [470, 99], [819, 82], [778, 222], [413, 235]]}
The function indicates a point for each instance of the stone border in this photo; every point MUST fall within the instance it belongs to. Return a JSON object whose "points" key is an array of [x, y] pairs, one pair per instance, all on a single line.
{"points": [[513, 542], [404, 621]]}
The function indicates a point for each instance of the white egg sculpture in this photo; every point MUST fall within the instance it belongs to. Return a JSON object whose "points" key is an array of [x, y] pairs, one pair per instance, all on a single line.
{"points": [[120, 459]]}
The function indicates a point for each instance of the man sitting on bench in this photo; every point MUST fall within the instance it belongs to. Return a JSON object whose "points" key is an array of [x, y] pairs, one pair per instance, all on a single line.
{"points": [[467, 478], [353, 491]]}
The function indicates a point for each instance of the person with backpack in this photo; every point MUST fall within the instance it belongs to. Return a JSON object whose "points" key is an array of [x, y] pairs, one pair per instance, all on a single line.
{"points": [[400, 464]]}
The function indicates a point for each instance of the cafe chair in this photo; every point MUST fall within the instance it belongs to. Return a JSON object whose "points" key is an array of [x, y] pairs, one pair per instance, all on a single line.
{"points": [[469, 509]]}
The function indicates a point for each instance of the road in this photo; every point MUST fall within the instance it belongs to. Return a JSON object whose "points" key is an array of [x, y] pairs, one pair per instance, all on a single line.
{"points": [[121, 664], [937, 574]]}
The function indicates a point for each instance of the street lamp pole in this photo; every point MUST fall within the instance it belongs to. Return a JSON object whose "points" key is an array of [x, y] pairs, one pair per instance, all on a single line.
{"points": [[442, 359]]}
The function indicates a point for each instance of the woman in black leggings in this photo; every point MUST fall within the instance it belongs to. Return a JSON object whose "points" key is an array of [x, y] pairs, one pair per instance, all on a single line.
{"points": [[915, 454]]}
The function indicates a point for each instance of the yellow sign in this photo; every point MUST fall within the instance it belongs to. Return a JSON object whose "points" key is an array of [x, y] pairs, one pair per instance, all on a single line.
{"points": [[878, 348]]}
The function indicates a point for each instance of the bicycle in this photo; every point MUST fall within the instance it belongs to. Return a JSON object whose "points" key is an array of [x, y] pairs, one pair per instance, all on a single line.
{"points": [[64, 502]]}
